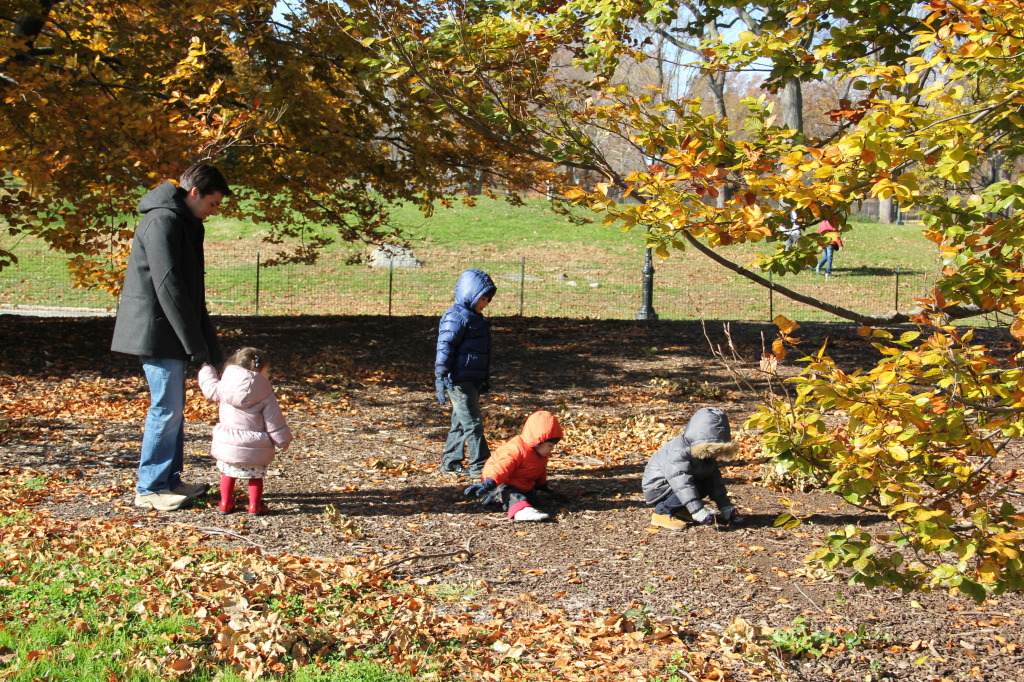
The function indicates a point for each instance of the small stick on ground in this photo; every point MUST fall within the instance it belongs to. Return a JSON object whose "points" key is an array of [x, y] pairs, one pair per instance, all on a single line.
{"points": [[421, 557]]}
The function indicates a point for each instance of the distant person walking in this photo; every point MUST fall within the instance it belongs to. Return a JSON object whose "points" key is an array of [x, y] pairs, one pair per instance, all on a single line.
{"points": [[251, 424], [162, 318], [793, 230], [462, 370], [835, 242]]}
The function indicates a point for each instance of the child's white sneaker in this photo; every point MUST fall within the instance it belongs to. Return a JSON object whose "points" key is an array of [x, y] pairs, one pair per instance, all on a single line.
{"points": [[530, 514]]}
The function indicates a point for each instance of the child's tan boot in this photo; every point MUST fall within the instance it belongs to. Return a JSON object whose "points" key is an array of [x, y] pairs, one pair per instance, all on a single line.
{"points": [[667, 521]]}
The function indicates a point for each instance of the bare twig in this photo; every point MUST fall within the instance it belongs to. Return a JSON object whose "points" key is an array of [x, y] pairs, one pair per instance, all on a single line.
{"points": [[577, 460], [808, 597], [214, 531], [421, 557], [404, 445]]}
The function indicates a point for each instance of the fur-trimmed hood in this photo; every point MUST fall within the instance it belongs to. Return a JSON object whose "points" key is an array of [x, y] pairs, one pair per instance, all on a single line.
{"points": [[714, 450], [708, 434]]}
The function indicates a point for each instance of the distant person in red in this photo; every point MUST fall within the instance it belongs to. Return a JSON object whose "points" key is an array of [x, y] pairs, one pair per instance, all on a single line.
{"points": [[519, 468], [835, 242]]}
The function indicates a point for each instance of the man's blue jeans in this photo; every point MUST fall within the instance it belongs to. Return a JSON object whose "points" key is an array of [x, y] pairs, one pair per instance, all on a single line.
{"points": [[163, 443], [467, 428]]}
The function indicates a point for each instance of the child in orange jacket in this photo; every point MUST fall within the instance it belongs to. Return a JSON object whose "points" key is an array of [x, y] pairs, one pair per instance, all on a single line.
{"points": [[519, 468]]}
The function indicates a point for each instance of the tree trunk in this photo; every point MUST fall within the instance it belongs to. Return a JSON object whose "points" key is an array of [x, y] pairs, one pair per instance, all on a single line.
{"points": [[793, 106], [887, 211]]}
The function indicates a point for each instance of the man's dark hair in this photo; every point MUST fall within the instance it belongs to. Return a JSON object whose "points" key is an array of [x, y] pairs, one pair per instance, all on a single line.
{"points": [[206, 178]]}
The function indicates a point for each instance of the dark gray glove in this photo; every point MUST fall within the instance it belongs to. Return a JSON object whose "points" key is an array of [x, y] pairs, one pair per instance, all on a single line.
{"points": [[732, 516], [440, 383], [550, 492]]}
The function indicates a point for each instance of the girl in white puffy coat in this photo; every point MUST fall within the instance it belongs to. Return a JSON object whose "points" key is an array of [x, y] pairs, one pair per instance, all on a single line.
{"points": [[251, 424]]}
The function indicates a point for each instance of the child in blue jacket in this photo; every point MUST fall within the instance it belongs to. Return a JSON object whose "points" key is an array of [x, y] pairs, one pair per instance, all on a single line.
{"points": [[462, 369]]}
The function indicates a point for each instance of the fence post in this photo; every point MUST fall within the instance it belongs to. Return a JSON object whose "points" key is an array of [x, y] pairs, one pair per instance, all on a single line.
{"points": [[771, 297], [257, 282], [522, 284], [391, 276], [897, 303]]}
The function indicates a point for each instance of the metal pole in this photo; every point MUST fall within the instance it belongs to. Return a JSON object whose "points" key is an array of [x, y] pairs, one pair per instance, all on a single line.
{"points": [[771, 297], [391, 275], [646, 311], [257, 282], [522, 284], [897, 303]]}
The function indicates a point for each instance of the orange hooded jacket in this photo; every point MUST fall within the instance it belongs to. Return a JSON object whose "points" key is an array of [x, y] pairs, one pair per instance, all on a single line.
{"points": [[517, 462]]}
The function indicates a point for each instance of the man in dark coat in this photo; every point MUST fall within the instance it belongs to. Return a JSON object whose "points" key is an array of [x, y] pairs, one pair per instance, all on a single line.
{"points": [[162, 318], [685, 471], [462, 367]]}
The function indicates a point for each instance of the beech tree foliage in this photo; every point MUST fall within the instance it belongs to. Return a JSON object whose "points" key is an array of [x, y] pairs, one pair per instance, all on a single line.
{"points": [[102, 100], [327, 112]]}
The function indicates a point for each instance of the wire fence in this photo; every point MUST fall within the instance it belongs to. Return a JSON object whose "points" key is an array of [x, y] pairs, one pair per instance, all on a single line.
{"points": [[687, 287]]}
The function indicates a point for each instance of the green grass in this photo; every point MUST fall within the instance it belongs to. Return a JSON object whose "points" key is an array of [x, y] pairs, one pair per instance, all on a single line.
{"points": [[570, 270], [72, 610]]}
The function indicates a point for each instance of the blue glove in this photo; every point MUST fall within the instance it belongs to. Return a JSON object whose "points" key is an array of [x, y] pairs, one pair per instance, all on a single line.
{"points": [[480, 489], [440, 383]]}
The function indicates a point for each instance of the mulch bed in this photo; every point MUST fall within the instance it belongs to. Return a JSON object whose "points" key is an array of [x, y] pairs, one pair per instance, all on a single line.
{"points": [[362, 479]]}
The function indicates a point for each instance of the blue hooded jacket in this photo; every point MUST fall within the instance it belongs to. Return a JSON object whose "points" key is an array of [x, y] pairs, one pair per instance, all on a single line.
{"points": [[464, 335]]}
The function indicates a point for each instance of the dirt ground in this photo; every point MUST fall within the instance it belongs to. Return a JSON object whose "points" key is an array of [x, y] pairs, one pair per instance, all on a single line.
{"points": [[362, 476]]}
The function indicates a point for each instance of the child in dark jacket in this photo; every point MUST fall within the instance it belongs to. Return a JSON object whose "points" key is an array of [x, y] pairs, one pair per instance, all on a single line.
{"points": [[462, 369], [519, 468], [685, 471]]}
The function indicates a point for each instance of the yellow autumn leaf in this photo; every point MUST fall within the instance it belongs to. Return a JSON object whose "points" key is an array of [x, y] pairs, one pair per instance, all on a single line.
{"points": [[785, 325], [989, 571], [1017, 328], [898, 452], [779, 349]]}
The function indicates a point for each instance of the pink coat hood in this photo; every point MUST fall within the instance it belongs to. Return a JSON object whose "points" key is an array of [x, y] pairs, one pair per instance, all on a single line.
{"points": [[251, 422]]}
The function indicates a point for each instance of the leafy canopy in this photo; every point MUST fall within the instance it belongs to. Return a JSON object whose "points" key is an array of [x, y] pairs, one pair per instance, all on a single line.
{"points": [[102, 100]]}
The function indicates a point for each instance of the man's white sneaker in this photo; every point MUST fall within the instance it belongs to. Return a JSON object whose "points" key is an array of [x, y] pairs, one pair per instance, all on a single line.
{"points": [[530, 514], [161, 501]]}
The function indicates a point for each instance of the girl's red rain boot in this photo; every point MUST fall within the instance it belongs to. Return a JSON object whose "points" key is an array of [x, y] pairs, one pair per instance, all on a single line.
{"points": [[227, 494], [256, 506]]}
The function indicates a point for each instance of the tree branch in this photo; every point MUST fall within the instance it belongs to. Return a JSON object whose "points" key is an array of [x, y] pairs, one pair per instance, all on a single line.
{"points": [[953, 312]]}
